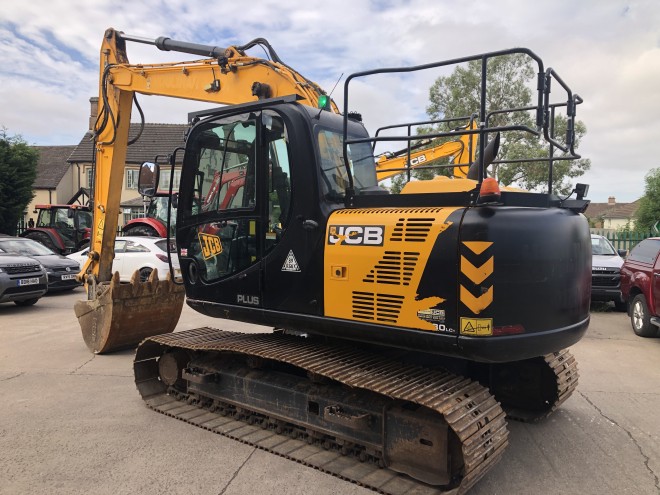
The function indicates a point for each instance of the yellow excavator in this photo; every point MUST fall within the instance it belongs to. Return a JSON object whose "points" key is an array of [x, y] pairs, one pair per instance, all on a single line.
{"points": [[406, 327], [107, 324]]}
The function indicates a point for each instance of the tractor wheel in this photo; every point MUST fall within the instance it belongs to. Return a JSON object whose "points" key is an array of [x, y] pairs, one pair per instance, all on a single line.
{"points": [[43, 238], [141, 230]]}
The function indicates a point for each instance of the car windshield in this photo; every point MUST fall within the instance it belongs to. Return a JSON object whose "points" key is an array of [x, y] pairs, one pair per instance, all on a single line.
{"points": [[600, 245], [24, 246]]}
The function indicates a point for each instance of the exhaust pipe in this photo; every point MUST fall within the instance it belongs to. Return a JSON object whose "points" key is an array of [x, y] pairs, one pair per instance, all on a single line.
{"points": [[490, 153]]}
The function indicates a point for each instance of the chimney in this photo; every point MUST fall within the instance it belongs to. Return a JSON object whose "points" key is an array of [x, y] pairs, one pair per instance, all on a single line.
{"points": [[94, 110], [611, 201]]}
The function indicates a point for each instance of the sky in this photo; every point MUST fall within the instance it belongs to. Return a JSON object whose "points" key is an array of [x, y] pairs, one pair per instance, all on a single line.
{"points": [[607, 51]]}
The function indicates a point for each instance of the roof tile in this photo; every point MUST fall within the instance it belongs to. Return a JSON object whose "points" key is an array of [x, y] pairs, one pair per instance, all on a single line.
{"points": [[156, 139], [52, 165]]}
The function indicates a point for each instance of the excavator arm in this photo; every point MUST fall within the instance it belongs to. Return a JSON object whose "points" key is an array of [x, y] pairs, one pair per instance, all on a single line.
{"points": [[462, 150], [226, 76]]}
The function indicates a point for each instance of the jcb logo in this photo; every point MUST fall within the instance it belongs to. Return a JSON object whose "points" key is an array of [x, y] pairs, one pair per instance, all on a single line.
{"points": [[210, 244], [416, 161], [356, 235]]}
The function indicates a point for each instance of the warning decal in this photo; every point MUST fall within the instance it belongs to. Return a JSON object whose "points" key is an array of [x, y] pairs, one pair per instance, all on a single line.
{"points": [[290, 264], [477, 327]]}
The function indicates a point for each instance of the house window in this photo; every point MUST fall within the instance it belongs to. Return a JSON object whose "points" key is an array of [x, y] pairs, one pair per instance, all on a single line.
{"points": [[90, 178], [132, 178], [164, 182], [132, 213]]}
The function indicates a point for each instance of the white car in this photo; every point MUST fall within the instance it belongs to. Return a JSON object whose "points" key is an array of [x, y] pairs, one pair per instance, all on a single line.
{"points": [[138, 253]]}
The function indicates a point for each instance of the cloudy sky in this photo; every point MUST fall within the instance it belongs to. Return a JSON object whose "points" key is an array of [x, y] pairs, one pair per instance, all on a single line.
{"points": [[608, 51]]}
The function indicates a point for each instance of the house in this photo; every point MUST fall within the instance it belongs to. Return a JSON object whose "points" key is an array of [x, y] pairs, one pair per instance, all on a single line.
{"points": [[611, 215], [63, 170], [56, 181]]}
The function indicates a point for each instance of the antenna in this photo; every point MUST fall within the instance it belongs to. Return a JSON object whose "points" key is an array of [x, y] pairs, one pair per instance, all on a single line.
{"points": [[324, 100]]}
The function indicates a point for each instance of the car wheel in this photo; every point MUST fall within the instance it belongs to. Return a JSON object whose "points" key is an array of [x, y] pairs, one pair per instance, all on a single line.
{"points": [[141, 230], [640, 318], [26, 302], [144, 274]]}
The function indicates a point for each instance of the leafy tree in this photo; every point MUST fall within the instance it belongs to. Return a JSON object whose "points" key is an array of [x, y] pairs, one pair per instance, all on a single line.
{"points": [[508, 86], [648, 212], [18, 170]]}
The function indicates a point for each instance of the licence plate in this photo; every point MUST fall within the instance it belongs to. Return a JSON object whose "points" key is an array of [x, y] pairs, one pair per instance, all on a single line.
{"points": [[68, 277], [28, 281]]}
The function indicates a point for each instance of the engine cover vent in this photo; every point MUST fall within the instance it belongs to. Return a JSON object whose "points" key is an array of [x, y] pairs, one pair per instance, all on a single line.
{"points": [[395, 268], [412, 229], [370, 306]]}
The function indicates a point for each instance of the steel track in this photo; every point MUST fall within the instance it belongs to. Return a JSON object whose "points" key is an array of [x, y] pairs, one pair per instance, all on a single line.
{"points": [[564, 367], [471, 412]]}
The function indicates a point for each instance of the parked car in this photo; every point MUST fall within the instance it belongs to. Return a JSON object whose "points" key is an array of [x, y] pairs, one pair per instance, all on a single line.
{"points": [[606, 272], [138, 253], [61, 271], [640, 287], [22, 280]]}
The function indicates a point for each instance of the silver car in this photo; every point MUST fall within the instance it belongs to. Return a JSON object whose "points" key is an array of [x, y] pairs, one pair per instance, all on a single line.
{"points": [[22, 280], [606, 272]]}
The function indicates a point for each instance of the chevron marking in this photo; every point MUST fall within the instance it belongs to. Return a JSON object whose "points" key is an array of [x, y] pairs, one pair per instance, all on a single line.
{"points": [[476, 304], [477, 273], [478, 247]]}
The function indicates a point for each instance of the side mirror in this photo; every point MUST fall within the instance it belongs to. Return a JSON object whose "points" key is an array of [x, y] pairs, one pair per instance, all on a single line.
{"points": [[148, 179], [623, 252], [70, 213], [175, 200]]}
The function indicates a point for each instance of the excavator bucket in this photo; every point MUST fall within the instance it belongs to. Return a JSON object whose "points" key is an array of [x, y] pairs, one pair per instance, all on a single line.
{"points": [[124, 314]]}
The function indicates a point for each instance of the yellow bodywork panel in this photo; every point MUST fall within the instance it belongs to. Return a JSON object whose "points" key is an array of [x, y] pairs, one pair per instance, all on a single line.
{"points": [[374, 261], [439, 184]]}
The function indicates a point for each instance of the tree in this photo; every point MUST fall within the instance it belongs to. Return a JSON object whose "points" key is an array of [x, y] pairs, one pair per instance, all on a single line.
{"points": [[508, 85], [648, 212], [18, 170]]}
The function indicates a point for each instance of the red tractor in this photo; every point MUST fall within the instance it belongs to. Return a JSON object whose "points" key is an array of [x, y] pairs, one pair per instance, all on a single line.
{"points": [[62, 228], [155, 222], [225, 190]]}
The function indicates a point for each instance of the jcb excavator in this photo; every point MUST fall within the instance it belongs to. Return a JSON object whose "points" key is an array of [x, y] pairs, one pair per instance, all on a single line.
{"points": [[405, 325]]}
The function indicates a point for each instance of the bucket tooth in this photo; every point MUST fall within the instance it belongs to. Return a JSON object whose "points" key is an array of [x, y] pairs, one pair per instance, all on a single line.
{"points": [[124, 314]]}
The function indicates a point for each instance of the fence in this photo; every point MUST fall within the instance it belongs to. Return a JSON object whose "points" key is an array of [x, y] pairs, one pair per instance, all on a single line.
{"points": [[623, 239]]}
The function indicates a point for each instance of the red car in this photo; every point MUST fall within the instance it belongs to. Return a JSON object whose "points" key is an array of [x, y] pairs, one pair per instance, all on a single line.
{"points": [[640, 287]]}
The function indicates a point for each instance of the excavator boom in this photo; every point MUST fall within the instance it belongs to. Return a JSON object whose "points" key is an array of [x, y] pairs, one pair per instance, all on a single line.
{"points": [[116, 316]]}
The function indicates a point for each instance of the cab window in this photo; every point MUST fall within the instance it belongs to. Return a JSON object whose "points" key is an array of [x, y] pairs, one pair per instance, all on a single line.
{"points": [[225, 176], [279, 179], [334, 178]]}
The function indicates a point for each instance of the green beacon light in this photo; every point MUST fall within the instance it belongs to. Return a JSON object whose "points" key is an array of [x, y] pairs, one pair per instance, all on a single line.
{"points": [[324, 102]]}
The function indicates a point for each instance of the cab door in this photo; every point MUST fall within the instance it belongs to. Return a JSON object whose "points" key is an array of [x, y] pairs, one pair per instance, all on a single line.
{"points": [[220, 211], [293, 231]]}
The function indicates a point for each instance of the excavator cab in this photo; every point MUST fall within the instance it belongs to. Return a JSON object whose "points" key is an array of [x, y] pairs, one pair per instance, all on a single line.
{"points": [[239, 247]]}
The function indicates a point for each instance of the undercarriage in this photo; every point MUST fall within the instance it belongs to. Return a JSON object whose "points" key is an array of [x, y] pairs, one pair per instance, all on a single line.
{"points": [[361, 416]]}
